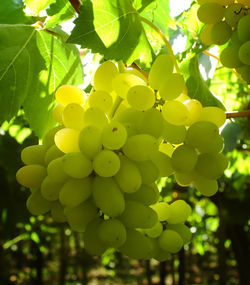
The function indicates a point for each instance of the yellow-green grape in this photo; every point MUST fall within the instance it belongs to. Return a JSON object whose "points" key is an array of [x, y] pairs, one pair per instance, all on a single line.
{"points": [[221, 33], [75, 191], [179, 212], [182, 98], [244, 53], [163, 163], [56, 172], [184, 158], [137, 245], [129, 115], [37, 204], [163, 210], [90, 140], [207, 187], [137, 73], [67, 140], [106, 163], [148, 170], [131, 129], [171, 241], [137, 215], [33, 154], [78, 217], [31, 176], [211, 13], [173, 134], [76, 165], [166, 148], [146, 194], [182, 230], [244, 72], [141, 97], [57, 212], [234, 13], [72, 116], [211, 165], [104, 75], [124, 81], [162, 67], [100, 99], [107, 196], [243, 28], [230, 56], [158, 253], [48, 139], [184, 178], [175, 112], [155, 231], [50, 190], [195, 110], [94, 116], [52, 153], [215, 146], [140, 147], [112, 233], [172, 86], [205, 35], [57, 113], [67, 94], [151, 123], [114, 135], [128, 177]]}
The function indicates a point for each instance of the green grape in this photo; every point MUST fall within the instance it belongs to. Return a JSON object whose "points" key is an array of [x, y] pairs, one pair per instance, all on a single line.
{"points": [[57, 113], [234, 13], [95, 116], [149, 171], [112, 233], [182, 230], [235, 39], [90, 141], [184, 158], [245, 73], [166, 148], [179, 212], [243, 28], [158, 253], [131, 129], [137, 215], [162, 67], [67, 140], [49, 189], [141, 97], [175, 113], [151, 123], [67, 94], [107, 196], [33, 154], [37, 205], [205, 35], [76, 165], [57, 212], [184, 178], [100, 99], [155, 231], [170, 241], [162, 210], [52, 153], [31, 176], [244, 53], [104, 75], [75, 191], [124, 81], [106, 163], [163, 163], [221, 33], [138, 73], [129, 115], [48, 139], [78, 217], [207, 187], [211, 13], [173, 134], [56, 172], [195, 110], [72, 116], [114, 135], [230, 56], [140, 147], [172, 86], [128, 177], [215, 146]]}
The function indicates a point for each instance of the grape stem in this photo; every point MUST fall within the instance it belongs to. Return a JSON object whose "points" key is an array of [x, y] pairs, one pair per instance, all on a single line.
{"points": [[237, 114], [76, 5]]}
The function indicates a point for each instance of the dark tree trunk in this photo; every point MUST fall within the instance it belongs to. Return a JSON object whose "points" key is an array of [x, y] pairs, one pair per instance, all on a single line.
{"points": [[181, 268], [163, 272], [148, 272], [63, 256]]}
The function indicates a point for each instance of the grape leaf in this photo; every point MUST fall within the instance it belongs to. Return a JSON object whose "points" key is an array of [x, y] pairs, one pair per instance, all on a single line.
{"points": [[112, 28], [36, 6], [11, 12]]}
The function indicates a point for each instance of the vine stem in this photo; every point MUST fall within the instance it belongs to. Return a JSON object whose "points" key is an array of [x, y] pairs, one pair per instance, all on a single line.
{"points": [[76, 5], [237, 114]]}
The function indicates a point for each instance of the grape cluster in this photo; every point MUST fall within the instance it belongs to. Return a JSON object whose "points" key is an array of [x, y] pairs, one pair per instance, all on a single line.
{"points": [[97, 170], [228, 21]]}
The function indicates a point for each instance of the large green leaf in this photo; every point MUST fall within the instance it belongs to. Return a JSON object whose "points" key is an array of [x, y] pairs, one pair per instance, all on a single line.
{"points": [[112, 28], [37, 5], [11, 12]]}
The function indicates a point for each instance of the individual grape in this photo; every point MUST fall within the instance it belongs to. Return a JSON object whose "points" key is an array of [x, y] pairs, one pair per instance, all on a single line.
{"points": [[182, 230], [106, 163], [37, 205], [215, 146], [170, 241], [179, 212], [31, 176], [175, 113], [95, 116], [183, 97], [211, 13], [195, 110], [100, 99], [129, 115], [158, 253], [166, 148], [114, 135], [161, 68], [205, 35], [131, 129], [155, 231], [52, 153], [162, 209], [75, 191], [112, 233], [172, 86], [234, 13], [72, 116], [49, 189], [57, 212], [244, 52], [184, 178], [207, 187], [107, 196], [78, 217], [67, 94], [146, 194], [128, 177], [163, 163], [67, 140], [173, 134], [57, 113], [33, 154], [136, 72], [48, 138], [56, 172], [244, 72], [243, 28], [221, 33], [230, 56], [76, 165], [141, 97], [148, 170]]}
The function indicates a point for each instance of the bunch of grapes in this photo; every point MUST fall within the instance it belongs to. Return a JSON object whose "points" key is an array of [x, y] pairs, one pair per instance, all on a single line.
{"points": [[97, 169], [228, 21]]}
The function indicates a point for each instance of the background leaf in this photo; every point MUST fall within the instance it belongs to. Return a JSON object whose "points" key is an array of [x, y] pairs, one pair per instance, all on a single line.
{"points": [[11, 12], [37, 5]]}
